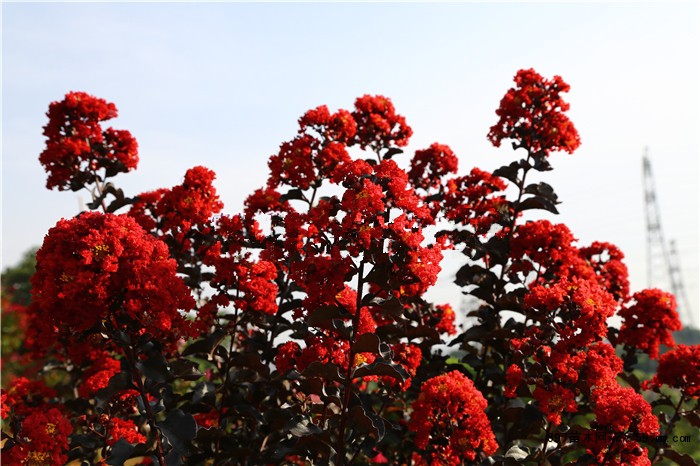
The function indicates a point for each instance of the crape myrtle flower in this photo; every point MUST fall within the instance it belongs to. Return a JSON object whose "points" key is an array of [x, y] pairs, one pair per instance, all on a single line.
{"points": [[680, 368], [42, 439], [554, 400], [623, 410], [582, 305], [378, 125], [77, 146], [126, 429], [472, 200], [450, 408], [104, 267], [429, 166], [23, 395], [339, 127], [620, 451], [650, 321], [547, 249], [177, 210], [531, 114], [611, 272]]}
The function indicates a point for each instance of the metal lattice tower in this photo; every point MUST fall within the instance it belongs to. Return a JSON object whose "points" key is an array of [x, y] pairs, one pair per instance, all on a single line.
{"points": [[662, 259]]}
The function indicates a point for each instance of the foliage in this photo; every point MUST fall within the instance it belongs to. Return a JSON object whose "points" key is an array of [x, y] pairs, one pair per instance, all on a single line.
{"points": [[298, 332]]}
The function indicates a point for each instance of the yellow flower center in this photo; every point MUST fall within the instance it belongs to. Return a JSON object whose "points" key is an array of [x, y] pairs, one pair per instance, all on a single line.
{"points": [[50, 428], [38, 457], [99, 251], [360, 359]]}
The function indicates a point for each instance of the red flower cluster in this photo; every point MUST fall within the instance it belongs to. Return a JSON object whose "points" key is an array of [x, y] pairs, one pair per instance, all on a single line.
{"points": [[177, 210], [378, 125], [42, 439], [623, 409], [99, 267], [77, 147], [548, 250], [532, 115], [680, 368], [449, 421], [305, 161], [118, 429], [428, 166], [98, 375], [602, 365], [410, 357], [23, 396], [470, 200], [337, 127], [583, 307], [554, 400], [445, 319], [611, 272], [650, 321]]}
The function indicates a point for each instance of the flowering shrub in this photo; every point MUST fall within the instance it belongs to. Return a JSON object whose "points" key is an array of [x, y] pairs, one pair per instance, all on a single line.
{"points": [[166, 332]]}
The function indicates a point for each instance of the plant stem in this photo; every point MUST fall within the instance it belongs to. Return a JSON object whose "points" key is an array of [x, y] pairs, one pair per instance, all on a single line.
{"points": [[670, 425], [149, 412], [351, 359], [99, 192]]}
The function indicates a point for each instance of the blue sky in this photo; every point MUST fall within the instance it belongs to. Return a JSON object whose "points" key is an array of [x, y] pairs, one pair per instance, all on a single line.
{"points": [[222, 85]]}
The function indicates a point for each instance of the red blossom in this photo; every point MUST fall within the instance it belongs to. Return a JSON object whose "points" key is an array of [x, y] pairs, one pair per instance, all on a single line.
{"points": [[118, 429], [428, 166], [471, 201], [582, 305], [378, 125], [98, 375], [101, 267], [446, 319], [287, 355], [514, 375], [650, 321], [611, 272], [339, 127], [410, 357], [23, 395], [532, 115], [622, 409], [77, 147], [680, 368], [548, 250], [554, 400], [42, 439], [450, 408], [602, 365]]}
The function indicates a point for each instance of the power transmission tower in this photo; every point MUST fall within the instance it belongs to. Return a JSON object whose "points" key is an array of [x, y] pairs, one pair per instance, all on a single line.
{"points": [[660, 257]]}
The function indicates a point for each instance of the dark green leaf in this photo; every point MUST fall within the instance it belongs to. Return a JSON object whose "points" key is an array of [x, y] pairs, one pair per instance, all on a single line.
{"points": [[184, 369], [382, 368], [120, 452], [205, 345], [327, 371], [537, 202], [154, 367], [367, 422], [179, 428], [370, 343], [542, 189], [300, 426], [392, 152], [118, 382]]}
